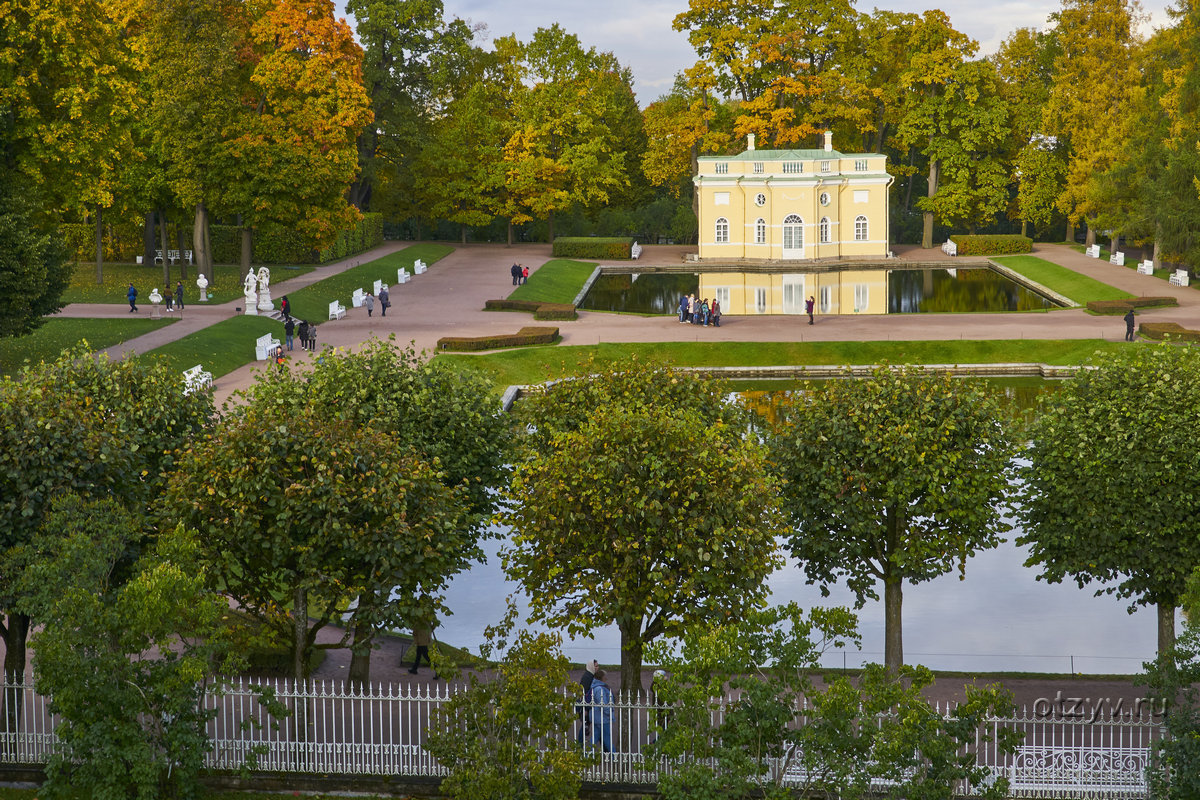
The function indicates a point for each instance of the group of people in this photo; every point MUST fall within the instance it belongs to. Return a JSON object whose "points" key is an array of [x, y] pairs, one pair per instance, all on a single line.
{"points": [[173, 301], [385, 302], [595, 714], [699, 312], [306, 330], [520, 274]]}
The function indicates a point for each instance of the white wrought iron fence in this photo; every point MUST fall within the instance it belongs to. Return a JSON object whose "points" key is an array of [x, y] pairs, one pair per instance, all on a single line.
{"points": [[326, 727]]}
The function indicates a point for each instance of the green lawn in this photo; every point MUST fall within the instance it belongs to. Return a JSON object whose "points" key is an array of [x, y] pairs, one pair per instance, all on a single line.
{"points": [[538, 364], [220, 348], [223, 286], [1080, 288], [312, 302], [556, 281], [60, 333]]}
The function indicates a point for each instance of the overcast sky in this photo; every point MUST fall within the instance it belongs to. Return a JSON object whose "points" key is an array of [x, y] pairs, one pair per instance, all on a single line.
{"points": [[639, 31]]}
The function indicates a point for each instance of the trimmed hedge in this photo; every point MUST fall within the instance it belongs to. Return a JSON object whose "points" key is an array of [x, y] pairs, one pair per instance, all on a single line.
{"points": [[1168, 330], [993, 244], [272, 244], [541, 311], [1121, 307], [525, 336], [592, 247]]}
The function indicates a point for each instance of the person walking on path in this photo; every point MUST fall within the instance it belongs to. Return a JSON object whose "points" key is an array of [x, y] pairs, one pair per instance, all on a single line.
{"points": [[131, 295], [312, 338], [585, 708], [716, 313], [1129, 337], [602, 706], [179, 295], [524, 274], [303, 334], [516, 274], [809, 305], [384, 301], [682, 308], [421, 638], [289, 328], [285, 306], [369, 302], [170, 298]]}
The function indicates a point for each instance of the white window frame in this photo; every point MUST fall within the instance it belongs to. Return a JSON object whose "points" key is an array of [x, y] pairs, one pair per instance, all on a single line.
{"points": [[721, 231], [721, 295], [860, 228], [760, 231], [860, 165], [796, 233], [823, 231], [793, 167], [826, 166], [721, 168], [826, 296], [760, 299], [793, 294], [759, 169]]}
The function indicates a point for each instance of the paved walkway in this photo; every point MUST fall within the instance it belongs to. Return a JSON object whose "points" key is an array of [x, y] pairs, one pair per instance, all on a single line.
{"points": [[448, 301]]}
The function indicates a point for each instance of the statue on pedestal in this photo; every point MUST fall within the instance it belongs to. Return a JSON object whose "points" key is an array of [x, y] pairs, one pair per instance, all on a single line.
{"points": [[251, 291], [155, 298], [202, 284], [264, 290]]}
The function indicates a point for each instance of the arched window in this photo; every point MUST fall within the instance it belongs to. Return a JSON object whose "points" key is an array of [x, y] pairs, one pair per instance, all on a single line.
{"points": [[824, 230], [793, 235], [860, 228], [760, 231], [722, 230]]}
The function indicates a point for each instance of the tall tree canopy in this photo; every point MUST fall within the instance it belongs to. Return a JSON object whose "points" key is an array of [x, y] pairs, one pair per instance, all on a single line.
{"points": [[894, 478]]}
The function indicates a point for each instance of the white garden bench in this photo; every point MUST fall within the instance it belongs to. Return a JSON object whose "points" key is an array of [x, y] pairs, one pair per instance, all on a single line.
{"points": [[356, 299], [1093, 251], [1117, 258], [1180, 278], [1146, 267], [1060, 770], [265, 346], [636, 251], [187, 256], [196, 378], [949, 247], [336, 310], [402, 275], [378, 286], [173, 256], [419, 267], [158, 256]]}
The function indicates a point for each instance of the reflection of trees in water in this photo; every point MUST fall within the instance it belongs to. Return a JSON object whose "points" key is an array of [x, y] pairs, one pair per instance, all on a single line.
{"points": [[649, 294], [936, 290]]}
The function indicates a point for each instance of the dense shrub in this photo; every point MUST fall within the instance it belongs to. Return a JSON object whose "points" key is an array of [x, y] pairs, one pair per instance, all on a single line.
{"points": [[591, 247], [525, 336], [1121, 307], [555, 311], [992, 244], [511, 305], [1168, 330], [122, 242]]}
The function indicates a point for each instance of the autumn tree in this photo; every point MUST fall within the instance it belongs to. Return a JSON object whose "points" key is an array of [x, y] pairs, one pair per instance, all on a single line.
{"points": [[33, 269], [899, 477], [639, 503], [680, 127], [1110, 493]]}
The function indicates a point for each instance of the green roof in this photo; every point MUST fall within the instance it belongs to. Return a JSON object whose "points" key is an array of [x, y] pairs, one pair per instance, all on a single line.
{"points": [[790, 155]]}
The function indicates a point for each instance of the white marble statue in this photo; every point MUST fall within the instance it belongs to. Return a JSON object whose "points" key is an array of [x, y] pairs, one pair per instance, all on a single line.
{"points": [[251, 286], [155, 298], [202, 285], [264, 290]]}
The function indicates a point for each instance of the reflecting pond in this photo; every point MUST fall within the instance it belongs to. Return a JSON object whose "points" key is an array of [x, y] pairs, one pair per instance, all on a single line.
{"points": [[1000, 617], [908, 291]]}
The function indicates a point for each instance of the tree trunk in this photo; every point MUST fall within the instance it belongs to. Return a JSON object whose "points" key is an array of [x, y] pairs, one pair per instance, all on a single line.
{"points": [[1157, 247], [510, 232], [1090, 239], [181, 248], [299, 634], [1166, 628], [1024, 227], [200, 239], [927, 217], [1114, 243], [162, 242], [148, 239], [1070, 232], [99, 244], [17, 631], [631, 659], [893, 606], [463, 233], [247, 249], [912, 178], [360, 656]]}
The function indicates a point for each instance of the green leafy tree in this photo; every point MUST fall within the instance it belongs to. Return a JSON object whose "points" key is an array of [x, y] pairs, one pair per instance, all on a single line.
{"points": [[729, 703], [633, 511], [127, 646], [33, 272], [1110, 493], [88, 425], [503, 736], [894, 478]]}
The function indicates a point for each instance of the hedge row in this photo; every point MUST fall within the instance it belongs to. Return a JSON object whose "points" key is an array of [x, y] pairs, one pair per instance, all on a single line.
{"points": [[993, 244], [1168, 330], [272, 245], [541, 311], [525, 336], [1120, 308], [591, 247]]}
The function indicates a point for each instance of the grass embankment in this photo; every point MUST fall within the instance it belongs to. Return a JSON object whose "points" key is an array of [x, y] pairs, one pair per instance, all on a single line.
{"points": [[312, 302], [538, 364], [61, 333], [224, 285], [556, 281], [1079, 288], [219, 348]]}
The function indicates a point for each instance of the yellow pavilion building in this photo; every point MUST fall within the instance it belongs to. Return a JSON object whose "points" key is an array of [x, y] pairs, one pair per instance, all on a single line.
{"points": [[800, 217]]}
